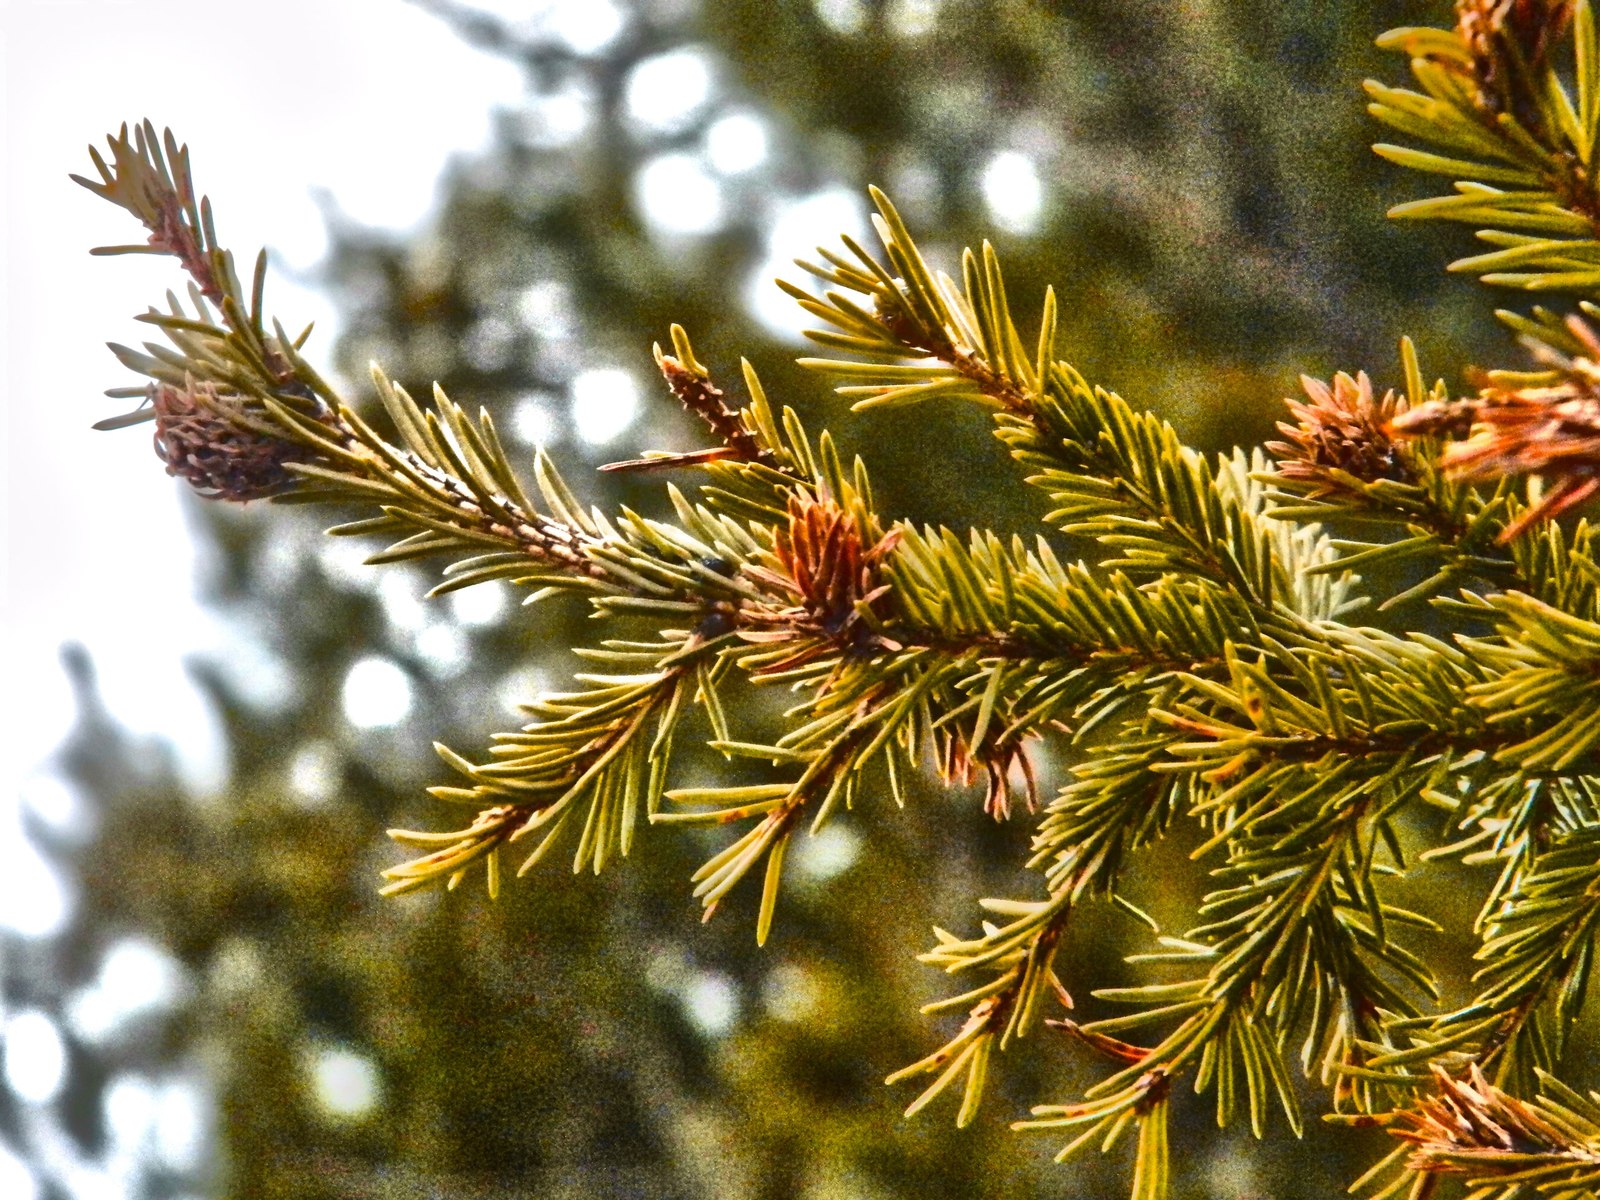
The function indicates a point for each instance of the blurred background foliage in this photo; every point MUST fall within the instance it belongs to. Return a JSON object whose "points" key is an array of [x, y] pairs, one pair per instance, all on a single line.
{"points": [[1192, 176]]}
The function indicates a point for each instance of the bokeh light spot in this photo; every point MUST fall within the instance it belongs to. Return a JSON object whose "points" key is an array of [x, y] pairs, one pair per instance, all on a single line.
{"points": [[666, 93], [533, 422], [479, 605], [675, 195], [141, 975], [790, 993], [842, 16], [130, 1109], [400, 594], [913, 18], [443, 649], [1013, 191], [605, 402], [345, 1084], [520, 685], [587, 26], [36, 1057], [736, 143], [558, 118], [546, 307], [180, 1124], [136, 977], [377, 694], [711, 1003], [797, 229], [315, 770], [831, 851]]}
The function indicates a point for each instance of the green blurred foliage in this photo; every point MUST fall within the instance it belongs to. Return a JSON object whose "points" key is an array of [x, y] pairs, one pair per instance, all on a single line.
{"points": [[1212, 219]]}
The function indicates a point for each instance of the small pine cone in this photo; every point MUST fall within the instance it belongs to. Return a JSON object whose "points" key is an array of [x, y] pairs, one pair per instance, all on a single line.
{"points": [[1343, 428], [204, 436]]}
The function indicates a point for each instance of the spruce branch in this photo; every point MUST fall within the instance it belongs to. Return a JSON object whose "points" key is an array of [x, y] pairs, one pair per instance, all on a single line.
{"points": [[747, 435], [806, 594], [1204, 669], [1021, 956], [150, 177], [1119, 476], [1538, 822], [1082, 841], [1538, 953], [1299, 941], [1544, 680], [609, 746], [1518, 142], [1346, 460]]}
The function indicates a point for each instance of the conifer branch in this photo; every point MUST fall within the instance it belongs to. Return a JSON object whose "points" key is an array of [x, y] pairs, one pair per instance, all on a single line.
{"points": [[1538, 953], [1511, 131], [1545, 424], [1119, 476], [1345, 459], [747, 435], [1298, 931], [1203, 671], [609, 746], [1021, 956]]}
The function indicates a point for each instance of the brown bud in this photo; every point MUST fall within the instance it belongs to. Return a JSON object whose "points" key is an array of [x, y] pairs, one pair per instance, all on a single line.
{"points": [[1510, 42], [1343, 428]]}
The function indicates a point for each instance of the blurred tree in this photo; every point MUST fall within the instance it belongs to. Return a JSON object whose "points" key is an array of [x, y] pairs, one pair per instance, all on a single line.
{"points": [[1193, 177]]}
